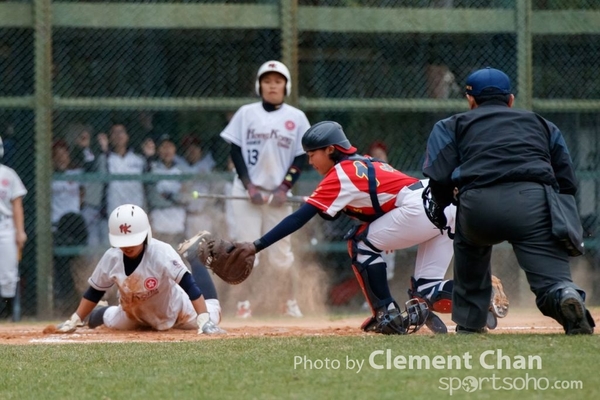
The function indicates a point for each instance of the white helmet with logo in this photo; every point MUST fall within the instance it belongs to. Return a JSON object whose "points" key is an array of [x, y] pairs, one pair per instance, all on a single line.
{"points": [[128, 226], [274, 66]]}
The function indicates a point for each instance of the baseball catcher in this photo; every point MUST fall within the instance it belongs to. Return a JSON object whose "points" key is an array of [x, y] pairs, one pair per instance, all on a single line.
{"points": [[230, 261]]}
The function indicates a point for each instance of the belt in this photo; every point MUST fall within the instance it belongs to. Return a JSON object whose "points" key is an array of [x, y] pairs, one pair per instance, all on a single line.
{"points": [[416, 186]]}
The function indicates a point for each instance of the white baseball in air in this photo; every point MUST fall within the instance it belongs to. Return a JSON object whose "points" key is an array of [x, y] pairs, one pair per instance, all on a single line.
{"points": [[195, 194]]}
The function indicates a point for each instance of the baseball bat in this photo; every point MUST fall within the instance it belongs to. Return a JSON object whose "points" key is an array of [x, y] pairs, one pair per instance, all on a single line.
{"points": [[198, 195]]}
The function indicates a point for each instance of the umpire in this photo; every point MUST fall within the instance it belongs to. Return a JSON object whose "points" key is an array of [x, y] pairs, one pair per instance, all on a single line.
{"points": [[500, 158]]}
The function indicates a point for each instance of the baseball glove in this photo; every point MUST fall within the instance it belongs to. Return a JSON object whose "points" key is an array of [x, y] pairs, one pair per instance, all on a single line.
{"points": [[232, 262]]}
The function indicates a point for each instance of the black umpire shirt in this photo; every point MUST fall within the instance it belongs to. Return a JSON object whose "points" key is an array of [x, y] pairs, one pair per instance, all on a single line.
{"points": [[494, 143]]}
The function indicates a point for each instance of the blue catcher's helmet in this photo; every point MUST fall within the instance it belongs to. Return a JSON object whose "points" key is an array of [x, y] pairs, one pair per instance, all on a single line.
{"points": [[327, 133]]}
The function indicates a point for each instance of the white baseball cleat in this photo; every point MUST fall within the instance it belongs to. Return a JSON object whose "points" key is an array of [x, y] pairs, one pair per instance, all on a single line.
{"points": [[191, 243]]}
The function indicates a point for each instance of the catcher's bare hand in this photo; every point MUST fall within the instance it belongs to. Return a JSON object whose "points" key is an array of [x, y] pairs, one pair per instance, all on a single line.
{"points": [[232, 262]]}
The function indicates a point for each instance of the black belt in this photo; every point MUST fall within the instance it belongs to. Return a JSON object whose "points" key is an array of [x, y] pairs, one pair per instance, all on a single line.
{"points": [[416, 186]]}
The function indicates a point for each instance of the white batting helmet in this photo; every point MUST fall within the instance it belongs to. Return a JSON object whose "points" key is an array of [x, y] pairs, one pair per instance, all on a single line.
{"points": [[128, 226], [274, 66]]}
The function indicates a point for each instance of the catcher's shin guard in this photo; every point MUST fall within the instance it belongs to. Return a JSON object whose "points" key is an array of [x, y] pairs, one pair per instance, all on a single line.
{"points": [[367, 270]]}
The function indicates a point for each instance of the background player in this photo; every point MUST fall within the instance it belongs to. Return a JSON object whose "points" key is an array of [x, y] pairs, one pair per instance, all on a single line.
{"points": [[156, 289], [266, 150], [12, 233]]}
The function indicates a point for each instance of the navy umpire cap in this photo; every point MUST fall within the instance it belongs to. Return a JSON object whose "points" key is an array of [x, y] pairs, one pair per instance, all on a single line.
{"points": [[327, 133], [488, 81]]}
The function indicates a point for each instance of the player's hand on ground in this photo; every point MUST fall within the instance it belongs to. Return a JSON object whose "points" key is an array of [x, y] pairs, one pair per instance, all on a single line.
{"points": [[279, 196], [255, 195], [206, 326], [70, 325]]}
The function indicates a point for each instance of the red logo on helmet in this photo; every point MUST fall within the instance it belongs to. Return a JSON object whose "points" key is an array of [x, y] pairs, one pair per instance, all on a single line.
{"points": [[290, 125], [5, 182], [124, 228], [273, 65], [151, 283]]}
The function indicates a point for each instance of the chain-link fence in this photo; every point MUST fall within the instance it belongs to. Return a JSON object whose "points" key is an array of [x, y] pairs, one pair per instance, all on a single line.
{"points": [[79, 78]]}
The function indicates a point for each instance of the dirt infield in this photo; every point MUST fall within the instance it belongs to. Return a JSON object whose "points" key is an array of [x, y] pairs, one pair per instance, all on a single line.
{"points": [[33, 332]]}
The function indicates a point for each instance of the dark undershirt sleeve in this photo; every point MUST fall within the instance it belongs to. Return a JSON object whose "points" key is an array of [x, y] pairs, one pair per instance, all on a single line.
{"points": [[240, 165], [287, 226], [188, 284], [93, 295]]}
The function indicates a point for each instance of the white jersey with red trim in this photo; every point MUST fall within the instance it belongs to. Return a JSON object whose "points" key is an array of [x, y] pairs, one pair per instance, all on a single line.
{"points": [[269, 141], [11, 187], [346, 188], [151, 295]]}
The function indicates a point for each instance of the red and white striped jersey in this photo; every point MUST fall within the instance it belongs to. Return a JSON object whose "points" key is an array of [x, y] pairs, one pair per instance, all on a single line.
{"points": [[346, 188]]}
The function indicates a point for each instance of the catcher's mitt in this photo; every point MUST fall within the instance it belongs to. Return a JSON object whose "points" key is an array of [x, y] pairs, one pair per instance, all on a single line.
{"points": [[232, 262]]}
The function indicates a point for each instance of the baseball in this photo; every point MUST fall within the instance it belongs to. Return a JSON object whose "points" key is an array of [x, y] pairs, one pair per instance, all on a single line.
{"points": [[195, 194]]}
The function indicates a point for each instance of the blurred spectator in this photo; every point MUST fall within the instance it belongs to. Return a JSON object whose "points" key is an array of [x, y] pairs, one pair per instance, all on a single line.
{"points": [[66, 195], [378, 150], [167, 198], [9, 145], [200, 212], [93, 208], [120, 159], [79, 139], [68, 225]]}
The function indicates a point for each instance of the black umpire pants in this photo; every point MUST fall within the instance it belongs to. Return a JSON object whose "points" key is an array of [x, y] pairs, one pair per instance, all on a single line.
{"points": [[516, 212]]}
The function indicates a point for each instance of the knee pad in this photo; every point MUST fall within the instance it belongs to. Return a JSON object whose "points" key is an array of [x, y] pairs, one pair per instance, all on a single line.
{"points": [[438, 295], [96, 317]]}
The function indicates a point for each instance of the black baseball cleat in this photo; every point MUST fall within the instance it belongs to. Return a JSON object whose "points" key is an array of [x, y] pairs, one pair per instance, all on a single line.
{"points": [[188, 250], [461, 330], [391, 321], [577, 319]]}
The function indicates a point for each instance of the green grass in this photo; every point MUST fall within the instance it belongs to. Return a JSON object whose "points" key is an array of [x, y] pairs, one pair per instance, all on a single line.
{"points": [[263, 368]]}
